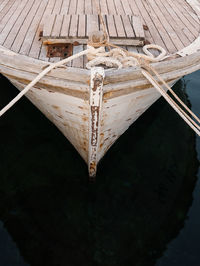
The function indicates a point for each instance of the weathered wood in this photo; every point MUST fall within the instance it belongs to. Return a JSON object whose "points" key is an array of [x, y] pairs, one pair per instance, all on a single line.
{"points": [[96, 93]]}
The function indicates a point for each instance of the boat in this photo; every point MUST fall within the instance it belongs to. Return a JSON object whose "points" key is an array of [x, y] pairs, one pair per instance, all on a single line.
{"points": [[94, 104]]}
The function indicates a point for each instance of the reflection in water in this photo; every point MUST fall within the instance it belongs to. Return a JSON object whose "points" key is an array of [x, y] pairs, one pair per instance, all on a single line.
{"points": [[137, 205]]}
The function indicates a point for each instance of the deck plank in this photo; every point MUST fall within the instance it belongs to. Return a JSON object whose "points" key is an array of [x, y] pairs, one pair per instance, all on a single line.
{"points": [[7, 8], [92, 24], [111, 26], [119, 26], [88, 7], [73, 31], [25, 48], [65, 26], [65, 7], [12, 21], [36, 46], [119, 7], [164, 22], [171, 24], [182, 17], [126, 7], [18, 24], [168, 16], [138, 27], [3, 4], [57, 7], [16, 45], [111, 7], [72, 7], [103, 7], [78, 62], [179, 22], [80, 7], [82, 26], [128, 27], [57, 26]]}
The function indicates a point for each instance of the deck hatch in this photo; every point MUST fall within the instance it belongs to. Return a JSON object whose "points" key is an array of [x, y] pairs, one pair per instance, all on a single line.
{"points": [[122, 29]]}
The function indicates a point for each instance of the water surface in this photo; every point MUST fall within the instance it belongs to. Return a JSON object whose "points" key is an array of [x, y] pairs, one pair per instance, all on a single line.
{"points": [[142, 210]]}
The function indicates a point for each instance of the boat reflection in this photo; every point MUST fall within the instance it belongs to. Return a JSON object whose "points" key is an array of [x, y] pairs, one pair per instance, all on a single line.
{"points": [[137, 205]]}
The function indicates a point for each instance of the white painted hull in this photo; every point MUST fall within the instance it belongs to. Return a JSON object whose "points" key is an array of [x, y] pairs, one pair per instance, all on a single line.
{"points": [[64, 97], [71, 115]]}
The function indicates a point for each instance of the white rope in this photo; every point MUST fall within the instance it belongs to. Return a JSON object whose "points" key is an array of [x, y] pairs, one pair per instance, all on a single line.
{"points": [[119, 57], [182, 114], [42, 74]]}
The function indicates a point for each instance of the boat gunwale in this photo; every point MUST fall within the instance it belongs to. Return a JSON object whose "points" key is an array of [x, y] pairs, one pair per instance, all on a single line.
{"points": [[18, 62]]}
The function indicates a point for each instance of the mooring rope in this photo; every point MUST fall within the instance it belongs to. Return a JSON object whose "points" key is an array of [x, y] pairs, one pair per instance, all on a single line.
{"points": [[120, 58]]}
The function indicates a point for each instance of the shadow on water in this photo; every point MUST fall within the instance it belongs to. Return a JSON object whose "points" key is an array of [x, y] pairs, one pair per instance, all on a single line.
{"points": [[137, 205]]}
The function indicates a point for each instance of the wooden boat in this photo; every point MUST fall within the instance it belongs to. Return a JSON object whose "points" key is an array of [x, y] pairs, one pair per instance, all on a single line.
{"points": [[93, 113]]}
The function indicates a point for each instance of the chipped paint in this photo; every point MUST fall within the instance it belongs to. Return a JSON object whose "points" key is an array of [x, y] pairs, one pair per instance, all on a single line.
{"points": [[96, 92]]}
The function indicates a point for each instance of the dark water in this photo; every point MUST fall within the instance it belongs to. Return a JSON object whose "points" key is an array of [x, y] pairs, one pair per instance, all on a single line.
{"points": [[142, 210]]}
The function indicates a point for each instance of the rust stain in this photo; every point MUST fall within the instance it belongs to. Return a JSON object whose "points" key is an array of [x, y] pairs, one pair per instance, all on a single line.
{"points": [[55, 106], [98, 79], [94, 124], [128, 119], [80, 107], [107, 95], [84, 118]]}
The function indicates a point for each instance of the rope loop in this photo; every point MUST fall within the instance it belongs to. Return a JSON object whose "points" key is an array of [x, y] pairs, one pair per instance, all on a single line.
{"points": [[157, 47]]}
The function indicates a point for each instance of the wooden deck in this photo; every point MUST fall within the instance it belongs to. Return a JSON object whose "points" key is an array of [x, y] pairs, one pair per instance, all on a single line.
{"points": [[170, 24]]}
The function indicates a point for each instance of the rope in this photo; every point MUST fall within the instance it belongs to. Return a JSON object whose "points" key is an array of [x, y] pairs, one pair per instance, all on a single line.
{"points": [[41, 75], [118, 57]]}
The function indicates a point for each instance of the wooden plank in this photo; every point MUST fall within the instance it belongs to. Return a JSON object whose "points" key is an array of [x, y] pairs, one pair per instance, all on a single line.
{"points": [[103, 7], [3, 4], [119, 26], [27, 42], [138, 27], [65, 26], [128, 27], [57, 26], [8, 8], [73, 31], [136, 11], [79, 61], [82, 26], [88, 7], [19, 24], [95, 7], [57, 7], [48, 25], [65, 7], [156, 38], [36, 45], [25, 27], [80, 7], [11, 22], [179, 22], [187, 14], [92, 24], [126, 7], [160, 28], [111, 7], [72, 7], [119, 7], [183, 19], [5, 16], [168, 16], [170, 31], [111, 26]]}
